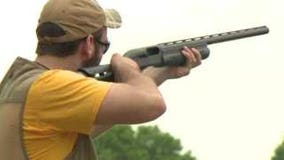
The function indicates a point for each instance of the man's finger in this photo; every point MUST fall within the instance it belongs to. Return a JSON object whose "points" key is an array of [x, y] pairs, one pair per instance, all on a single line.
{"points": [[189, 56], [197, 56]]}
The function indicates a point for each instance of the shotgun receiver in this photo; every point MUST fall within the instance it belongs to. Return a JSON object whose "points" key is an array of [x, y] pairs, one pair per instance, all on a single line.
{"points": [[169, 53]]}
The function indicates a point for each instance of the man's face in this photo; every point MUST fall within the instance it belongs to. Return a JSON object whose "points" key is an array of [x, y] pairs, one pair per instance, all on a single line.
{"points": [[101, 45]]}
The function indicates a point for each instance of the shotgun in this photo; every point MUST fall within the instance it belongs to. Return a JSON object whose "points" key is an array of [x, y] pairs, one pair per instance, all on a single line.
{"points": [[169, 53]]}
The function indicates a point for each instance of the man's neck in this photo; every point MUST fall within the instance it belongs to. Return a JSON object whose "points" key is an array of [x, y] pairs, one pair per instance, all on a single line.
{"points": [[52, 62]]}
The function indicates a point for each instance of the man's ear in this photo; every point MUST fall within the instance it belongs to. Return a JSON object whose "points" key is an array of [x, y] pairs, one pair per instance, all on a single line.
{"points": [[88, 47]]}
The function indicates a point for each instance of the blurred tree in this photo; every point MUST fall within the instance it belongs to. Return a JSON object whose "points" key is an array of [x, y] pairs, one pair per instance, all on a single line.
{"points": [[279, 152], [146, 143]]}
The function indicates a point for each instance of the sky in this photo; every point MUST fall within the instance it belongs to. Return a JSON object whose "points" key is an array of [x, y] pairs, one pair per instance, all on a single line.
{"points": [[231, 106]]}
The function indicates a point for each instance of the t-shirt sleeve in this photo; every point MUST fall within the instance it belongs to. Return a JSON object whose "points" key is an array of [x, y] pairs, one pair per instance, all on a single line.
{"points": [[66, 101]]}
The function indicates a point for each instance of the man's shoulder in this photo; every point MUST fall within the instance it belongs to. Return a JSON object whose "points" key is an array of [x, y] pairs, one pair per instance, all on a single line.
{"points": [[60, 76], [61, 73], [64, 80]]}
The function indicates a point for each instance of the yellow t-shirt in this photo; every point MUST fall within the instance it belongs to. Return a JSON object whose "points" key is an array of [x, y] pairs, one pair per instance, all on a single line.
{"points": [[59, 105]]}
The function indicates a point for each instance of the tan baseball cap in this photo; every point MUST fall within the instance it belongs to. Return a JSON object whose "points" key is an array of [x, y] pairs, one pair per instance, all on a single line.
{"points": [[77, 18]]}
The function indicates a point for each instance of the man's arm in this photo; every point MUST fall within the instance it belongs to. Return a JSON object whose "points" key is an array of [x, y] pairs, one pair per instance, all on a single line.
{"points": [[98, 129], [135, 109], [134, 99]]}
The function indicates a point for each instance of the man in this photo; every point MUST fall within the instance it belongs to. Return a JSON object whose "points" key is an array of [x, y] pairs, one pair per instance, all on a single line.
{"points": [[48, 111]]}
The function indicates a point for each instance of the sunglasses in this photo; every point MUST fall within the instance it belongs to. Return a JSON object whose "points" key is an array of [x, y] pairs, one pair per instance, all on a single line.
{"points": [[105, 44]]}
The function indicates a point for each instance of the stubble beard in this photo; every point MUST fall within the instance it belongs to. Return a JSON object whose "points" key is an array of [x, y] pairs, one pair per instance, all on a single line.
{"points": [[94, 61]]}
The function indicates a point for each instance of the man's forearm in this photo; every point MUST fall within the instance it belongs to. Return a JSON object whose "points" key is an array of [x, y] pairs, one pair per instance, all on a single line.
{"points": [[155, 74], [144, 81]]}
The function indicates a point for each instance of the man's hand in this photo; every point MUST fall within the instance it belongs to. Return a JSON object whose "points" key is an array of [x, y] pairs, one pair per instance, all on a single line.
{"points": [[123, 68], [161, 74]]}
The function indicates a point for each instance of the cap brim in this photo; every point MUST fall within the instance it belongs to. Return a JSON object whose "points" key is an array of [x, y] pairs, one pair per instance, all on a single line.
{"points": [[113, 18]]}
